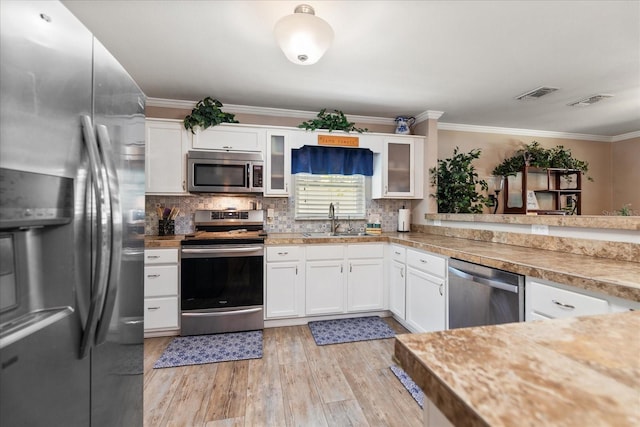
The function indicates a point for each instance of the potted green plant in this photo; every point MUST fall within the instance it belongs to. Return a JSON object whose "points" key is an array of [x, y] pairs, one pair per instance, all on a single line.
{"points": [[207, 113], [537, 156], [457, 184], [331, 121]]}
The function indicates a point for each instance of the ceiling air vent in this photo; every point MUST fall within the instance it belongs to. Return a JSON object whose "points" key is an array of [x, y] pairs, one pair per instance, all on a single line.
{"points": [[537, 93], [590, 100]]}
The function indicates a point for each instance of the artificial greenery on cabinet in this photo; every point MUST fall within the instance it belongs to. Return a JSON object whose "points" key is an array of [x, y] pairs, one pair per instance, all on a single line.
{"points": [[537, 156], [457, 184], [331, 121], [207, 113]]}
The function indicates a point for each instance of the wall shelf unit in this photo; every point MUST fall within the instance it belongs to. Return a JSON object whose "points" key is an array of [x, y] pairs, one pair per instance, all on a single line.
{"points": [[548, 191]]}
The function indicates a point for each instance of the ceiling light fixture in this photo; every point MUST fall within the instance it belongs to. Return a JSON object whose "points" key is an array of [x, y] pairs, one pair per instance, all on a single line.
{"points": [[303, 37]]}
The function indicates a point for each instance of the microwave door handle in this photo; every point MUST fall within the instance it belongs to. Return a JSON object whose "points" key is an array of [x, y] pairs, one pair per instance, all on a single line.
{"points": [[103, 224], [113, 188], [248, 175]]}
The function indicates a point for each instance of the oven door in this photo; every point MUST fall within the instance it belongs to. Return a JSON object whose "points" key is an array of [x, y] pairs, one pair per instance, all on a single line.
{"points": [[221, 288]]}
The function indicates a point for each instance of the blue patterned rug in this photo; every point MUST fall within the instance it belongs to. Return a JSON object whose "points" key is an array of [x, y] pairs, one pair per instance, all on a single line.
{"points": [[200, 349], [350, 330], [408, 383]]}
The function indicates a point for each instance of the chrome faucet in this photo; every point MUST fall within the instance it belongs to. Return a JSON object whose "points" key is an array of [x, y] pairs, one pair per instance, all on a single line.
{"points": [[332, 217]]}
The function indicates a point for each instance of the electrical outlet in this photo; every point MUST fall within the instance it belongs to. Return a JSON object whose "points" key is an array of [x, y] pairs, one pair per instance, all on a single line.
{"points": [[437, 222], [540, 229], [270, 213]]}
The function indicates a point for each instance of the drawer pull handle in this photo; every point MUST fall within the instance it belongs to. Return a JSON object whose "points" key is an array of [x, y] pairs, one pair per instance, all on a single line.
{"points": [[153, 308], [567, 306], [153, 276], [153, 256], [396, 252], [283, 253], [424, 261]]}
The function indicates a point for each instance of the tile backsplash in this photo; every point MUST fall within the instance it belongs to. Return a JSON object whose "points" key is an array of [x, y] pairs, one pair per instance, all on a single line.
{"points": [[283, 221]]}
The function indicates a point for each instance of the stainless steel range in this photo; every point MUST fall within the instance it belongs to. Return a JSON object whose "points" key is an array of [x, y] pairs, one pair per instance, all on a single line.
{"points": [[222, 273]]}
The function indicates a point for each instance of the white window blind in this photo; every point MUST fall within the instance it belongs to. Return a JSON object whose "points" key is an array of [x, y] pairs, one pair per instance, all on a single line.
{"points": [[314, 193]]}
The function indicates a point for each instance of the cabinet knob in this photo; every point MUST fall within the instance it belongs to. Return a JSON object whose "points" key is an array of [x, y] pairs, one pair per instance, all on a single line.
{"points": [[402, 272], [424, 261]]}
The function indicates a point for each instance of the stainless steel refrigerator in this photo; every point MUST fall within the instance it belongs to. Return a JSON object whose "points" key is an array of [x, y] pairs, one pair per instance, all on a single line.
{"points": [[71, 225]]}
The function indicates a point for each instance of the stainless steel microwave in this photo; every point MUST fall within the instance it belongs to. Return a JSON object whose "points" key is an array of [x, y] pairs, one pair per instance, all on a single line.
{"points": [[224, 172]]}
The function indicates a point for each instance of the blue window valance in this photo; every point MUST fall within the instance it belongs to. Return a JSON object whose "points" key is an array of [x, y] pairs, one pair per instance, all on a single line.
{"points": [[321, 160]]}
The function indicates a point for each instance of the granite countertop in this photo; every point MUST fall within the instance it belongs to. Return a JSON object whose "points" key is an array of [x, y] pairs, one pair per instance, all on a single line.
{"points": [[160, 242], [581, 221], [611, 277], [582, 371]]}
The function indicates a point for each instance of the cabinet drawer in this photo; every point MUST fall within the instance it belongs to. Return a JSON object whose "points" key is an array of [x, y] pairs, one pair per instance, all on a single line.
{"points": [[398, 253], [161, 313], [283, 253], [161, 256], [160, 280], [365, 251], [321, 252], [556, 303], [426, 262]]}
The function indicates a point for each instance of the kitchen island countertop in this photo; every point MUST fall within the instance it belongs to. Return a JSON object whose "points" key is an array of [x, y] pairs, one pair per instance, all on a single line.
{"points": [[582, 371]]}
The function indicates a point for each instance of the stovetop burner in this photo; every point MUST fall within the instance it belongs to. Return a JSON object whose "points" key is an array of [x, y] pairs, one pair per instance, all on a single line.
{"points": [[227, 227]]}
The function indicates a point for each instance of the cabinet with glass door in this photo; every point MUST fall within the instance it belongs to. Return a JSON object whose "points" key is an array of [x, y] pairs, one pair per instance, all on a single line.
{"points": [[394, 170], [278, 164]]}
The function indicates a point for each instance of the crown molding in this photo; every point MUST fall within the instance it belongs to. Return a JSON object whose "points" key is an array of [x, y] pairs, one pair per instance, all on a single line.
{"points": [[625, 136], [523, 132], [428, 114], [265, 111]]}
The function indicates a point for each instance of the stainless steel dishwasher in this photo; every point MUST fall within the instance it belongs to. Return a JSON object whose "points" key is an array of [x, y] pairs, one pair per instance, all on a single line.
{"points": [[480, 295]]}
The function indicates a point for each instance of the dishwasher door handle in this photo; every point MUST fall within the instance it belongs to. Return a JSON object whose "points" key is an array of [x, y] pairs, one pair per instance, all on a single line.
{"points": [[487, 282]]}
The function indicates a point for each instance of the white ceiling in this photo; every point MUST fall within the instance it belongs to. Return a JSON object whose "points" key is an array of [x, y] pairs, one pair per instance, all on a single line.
{"points": [[469, 59]]}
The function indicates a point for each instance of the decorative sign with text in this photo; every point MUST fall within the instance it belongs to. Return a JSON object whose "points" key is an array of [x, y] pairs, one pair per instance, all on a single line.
{"points": [[338, 140]]}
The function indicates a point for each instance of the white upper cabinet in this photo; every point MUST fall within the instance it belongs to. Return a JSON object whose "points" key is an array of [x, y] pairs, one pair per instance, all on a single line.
{"points": [[397, 171], [278, 163], [167, 142], [229, 137]]}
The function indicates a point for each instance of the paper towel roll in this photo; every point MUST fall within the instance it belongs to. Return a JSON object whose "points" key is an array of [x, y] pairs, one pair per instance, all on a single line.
{"points": [[404, 219]]}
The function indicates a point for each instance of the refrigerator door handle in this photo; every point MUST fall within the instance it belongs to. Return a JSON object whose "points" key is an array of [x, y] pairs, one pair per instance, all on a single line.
{"points": [[113, 189], [103, 237]]}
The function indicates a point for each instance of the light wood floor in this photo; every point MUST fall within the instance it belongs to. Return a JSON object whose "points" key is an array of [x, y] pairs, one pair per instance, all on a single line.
{"points": [[296, 383]]}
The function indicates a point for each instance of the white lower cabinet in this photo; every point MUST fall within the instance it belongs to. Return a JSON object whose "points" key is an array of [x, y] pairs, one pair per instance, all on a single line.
{"points": [[365, 281], [548, 300], [325, 286], [313, 280], [397, 281], [161, 292], [425, 292], [284, 290]]}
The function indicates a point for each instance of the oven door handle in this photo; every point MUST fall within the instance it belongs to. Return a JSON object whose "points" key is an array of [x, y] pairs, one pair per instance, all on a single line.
{"points": [[221, 250], [220, 313]]}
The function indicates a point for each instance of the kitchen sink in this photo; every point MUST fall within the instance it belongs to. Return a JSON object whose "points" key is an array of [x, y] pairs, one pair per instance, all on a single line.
{"points": [[329, 234]]}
